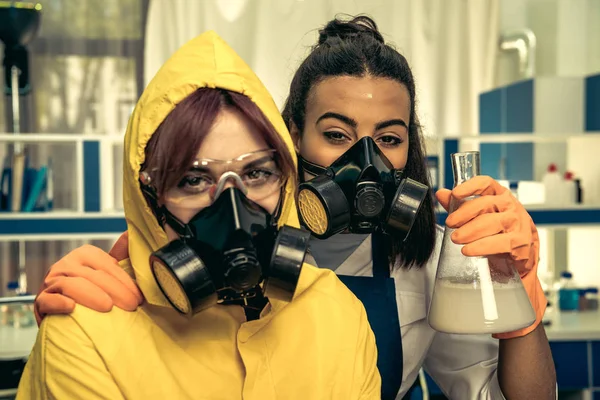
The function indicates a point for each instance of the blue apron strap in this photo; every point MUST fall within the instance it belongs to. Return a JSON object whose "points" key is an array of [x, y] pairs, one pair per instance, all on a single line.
{"points": [[378, 295], [379, 298], [380, 250], [386, 326]]}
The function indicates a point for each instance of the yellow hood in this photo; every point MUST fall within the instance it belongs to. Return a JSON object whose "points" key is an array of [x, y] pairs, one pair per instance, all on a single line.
{"points": [[206, 61]]}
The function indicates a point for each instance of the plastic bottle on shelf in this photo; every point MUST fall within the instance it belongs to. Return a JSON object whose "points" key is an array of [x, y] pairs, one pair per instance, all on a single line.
{"points": [[570, 189], [568, 294], [7, 311], [553, 186], [578, 191], [514, 188], [582, 300], [12, 289], [591, 299]]}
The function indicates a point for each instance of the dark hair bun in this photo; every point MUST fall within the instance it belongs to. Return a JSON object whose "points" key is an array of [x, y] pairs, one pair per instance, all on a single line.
{"points": [[360, 26]]}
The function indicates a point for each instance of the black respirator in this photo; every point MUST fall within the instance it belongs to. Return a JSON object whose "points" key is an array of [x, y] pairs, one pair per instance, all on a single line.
{"points": [[225, 253], [360, 192]]}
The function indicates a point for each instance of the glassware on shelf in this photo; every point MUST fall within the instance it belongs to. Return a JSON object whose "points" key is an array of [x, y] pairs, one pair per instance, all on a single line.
{"points": [[568, 293], [591, 299], [476, 295], [14, 312]]}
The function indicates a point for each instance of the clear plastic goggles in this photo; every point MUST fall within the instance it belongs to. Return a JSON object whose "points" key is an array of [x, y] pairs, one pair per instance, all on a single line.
{"points": [[256, 174]]}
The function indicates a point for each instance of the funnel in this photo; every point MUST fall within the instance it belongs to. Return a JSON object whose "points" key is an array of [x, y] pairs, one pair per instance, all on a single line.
{"points": [[19, 22]]}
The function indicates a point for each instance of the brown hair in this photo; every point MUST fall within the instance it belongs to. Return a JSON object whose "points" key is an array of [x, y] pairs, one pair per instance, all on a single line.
{"points": [[175, 144]]}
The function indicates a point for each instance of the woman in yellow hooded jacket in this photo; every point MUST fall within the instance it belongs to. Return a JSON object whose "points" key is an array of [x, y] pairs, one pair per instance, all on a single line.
{"points": [[209, 178]]}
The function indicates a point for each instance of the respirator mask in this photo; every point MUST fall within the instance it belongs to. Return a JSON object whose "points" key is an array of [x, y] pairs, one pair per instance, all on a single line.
{"points": [[360, 192], [231, 250]]}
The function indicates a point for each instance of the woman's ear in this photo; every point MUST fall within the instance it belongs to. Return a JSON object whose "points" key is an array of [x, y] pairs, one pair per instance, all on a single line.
{"points": [[296, 137]]}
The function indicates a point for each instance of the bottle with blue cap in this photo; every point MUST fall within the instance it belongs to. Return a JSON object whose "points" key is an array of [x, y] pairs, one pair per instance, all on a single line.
{"points": [[13, 288], [568, 294]]}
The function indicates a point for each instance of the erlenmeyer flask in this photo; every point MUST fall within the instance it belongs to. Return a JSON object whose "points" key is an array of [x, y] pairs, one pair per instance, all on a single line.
{"points": [[474, 295]]}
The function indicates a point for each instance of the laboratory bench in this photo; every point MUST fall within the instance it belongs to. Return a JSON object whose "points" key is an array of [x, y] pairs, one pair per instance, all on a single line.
{"points": [[575, 343]]}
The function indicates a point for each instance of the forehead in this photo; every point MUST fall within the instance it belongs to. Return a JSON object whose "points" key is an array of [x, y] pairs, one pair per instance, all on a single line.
{"points": [[231, 136], [361, 98]]}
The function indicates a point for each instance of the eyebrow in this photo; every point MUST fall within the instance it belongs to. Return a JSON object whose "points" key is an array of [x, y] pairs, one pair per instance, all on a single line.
{"points": [[195, 168], [354, 124], [391, 122], [341, 117]]}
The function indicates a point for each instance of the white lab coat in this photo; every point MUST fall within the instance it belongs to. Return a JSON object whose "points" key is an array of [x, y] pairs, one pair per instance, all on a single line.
{"points": [[463, 366]]}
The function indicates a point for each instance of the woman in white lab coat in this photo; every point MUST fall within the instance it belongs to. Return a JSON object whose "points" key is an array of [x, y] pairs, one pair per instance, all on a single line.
{"points": [[352, 103]]}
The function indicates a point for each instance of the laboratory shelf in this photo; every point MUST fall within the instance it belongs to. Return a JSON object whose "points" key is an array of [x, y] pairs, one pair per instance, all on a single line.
{"points": [[64, 225], [555, 217], [61, 225], [37, 138]]}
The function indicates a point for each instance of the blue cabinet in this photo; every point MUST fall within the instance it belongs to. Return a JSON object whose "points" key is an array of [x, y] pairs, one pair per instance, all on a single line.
{"points": [[595, 364], [572, 366], [592, 103], [508, 109]]}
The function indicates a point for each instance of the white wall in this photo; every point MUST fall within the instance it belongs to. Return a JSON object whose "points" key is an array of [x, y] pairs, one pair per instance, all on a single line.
{"points": [[567, 31], [451, 45], [568, 45]]}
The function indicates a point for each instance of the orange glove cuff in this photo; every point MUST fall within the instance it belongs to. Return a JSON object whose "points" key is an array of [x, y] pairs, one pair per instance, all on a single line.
{"points": [[538, 301]]}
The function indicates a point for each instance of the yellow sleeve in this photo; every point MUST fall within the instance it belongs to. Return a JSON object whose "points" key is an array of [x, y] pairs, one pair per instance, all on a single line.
{"points": [[366, 361], [64, 364]]}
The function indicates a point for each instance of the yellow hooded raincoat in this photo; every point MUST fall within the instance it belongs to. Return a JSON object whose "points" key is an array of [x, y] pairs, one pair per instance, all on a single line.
{"points": [[319, 346]]}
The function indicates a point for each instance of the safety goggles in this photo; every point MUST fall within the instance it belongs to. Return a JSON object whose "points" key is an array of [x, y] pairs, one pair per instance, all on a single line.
{"points": [[256, 174]]}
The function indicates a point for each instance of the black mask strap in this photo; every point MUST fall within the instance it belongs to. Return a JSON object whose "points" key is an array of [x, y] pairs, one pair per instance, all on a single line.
{"points": [[252, 306], [398, 174], [183, 230], [277, 214], [311, 168], [163, 215]]}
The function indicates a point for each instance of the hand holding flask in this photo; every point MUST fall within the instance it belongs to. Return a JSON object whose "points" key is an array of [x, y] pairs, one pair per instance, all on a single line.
{"points": [[478, 288]]}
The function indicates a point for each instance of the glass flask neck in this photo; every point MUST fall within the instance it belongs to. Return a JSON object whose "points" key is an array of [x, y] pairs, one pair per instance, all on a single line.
{"points": [[465, 166]]}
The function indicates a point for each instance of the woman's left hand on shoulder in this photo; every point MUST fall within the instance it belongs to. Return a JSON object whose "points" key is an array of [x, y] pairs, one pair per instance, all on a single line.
{"points": [[494, 224]]}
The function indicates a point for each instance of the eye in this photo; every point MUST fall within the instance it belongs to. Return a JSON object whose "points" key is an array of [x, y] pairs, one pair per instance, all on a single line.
{"points": [[259, 176], [335, 137], [195, 183], [389, 141]]}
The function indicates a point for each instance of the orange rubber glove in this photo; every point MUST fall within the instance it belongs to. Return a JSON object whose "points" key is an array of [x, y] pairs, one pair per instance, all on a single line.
{"points": [[90, 277], [496, 224]]}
